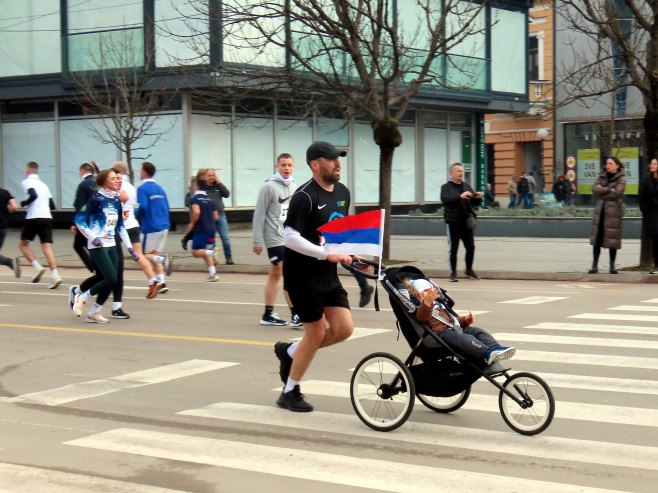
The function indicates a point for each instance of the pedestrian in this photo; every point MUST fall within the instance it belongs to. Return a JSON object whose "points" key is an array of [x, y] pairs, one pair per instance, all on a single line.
{"points": [[561, 190], [458, 200], [86, 188], [523, 189], [153, 216], [310, 275], [99, 220], [38, 222], [128, 198], [608, 212], [203, 217], [7, 207], [269, 215], [490, 197], [649, 208], [217, 191], [532, 190], [511, 190]]}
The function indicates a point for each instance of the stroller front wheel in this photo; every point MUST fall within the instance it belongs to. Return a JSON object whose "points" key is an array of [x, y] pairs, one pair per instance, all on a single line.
{"points": [[382, 391], [538, 409]]}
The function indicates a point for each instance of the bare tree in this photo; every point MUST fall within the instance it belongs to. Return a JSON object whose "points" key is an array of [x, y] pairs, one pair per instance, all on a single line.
{"points": [[615, 50], [359, 56], [114, 83]]}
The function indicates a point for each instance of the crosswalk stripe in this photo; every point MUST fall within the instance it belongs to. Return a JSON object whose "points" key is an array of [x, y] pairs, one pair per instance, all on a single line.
{"points": [[635, 308], [95, 388], [576, 341], [652, 300], [378, 475], [575, 327], [587, 359], [489, 403], [534, 300], [23, 479], [481, 440], [616, 316]]}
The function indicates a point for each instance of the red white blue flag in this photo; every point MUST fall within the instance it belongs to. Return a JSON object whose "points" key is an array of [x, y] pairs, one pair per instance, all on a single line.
{"points": [[360, 234]]}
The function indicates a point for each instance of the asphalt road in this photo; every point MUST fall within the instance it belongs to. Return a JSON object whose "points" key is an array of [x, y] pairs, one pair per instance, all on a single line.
{"points": [[181, 396]]}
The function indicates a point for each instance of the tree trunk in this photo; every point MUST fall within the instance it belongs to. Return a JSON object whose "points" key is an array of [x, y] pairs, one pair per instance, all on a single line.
{"points": [[651, 139], [387, 137]]}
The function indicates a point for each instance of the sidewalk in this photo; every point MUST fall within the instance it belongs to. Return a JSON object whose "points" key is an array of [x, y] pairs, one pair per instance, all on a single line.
{"points": [[558, 259]]}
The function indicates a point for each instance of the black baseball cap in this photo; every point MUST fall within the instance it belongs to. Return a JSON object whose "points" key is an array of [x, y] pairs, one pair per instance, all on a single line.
{"points": [[323, 149]]}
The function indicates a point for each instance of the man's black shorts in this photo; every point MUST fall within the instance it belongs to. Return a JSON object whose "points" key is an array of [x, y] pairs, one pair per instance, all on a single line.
{"points": [[310, 305], [276, 254], [41, 227], [134, 235]]}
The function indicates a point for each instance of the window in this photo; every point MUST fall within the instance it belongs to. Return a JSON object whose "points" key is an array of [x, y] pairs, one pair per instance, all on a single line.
{"points": [[533, 58], [508, 56]]}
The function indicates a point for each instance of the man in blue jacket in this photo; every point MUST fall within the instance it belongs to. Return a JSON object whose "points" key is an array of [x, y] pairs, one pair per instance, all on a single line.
{"points": [[153, 215]]}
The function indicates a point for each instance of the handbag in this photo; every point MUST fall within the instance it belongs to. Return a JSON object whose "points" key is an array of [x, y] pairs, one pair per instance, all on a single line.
{"points": [[471, 221]]}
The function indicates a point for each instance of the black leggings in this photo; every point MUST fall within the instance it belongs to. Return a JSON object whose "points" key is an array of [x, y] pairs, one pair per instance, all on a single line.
{"points": [[3, 260], [456, 233], [107, 263]]}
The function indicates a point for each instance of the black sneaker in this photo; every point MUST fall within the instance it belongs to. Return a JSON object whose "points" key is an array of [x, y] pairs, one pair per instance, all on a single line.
{"points": [[453, 277], [471, 275], [119, 313], [163, 289], [294, 401], [285, 361], [366, 294], [229, 260]]}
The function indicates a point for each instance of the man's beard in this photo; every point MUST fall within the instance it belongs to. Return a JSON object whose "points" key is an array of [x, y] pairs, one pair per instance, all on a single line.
{"points": [[329, 177]]}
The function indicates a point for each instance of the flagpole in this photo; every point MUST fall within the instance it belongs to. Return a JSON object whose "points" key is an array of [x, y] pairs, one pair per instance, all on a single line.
{"points": [[381, 244]]}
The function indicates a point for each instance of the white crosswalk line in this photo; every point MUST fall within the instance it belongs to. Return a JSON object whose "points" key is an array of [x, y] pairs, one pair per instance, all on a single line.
{"points": [[489, 403], [575, 327], [534, 300], [605, 384], [616, 316], [587, 359], [361, 472], [635, 308], [481, 440], [577, 286], [576, 341], [22, 479], [95, 388], [652, 300]]}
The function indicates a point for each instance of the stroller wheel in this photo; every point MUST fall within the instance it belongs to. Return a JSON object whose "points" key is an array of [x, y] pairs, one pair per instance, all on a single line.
{"points": [[445, 404], [382, 391], [538, 407]]}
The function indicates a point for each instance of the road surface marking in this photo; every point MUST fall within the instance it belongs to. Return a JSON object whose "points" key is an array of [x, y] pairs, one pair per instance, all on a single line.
{"points": [[617, 316], [575, 327], [576, 286], [95, 388], [635, 308], [481, 440], [377, 475], [577, 341], [534, 300], [358, 333]]}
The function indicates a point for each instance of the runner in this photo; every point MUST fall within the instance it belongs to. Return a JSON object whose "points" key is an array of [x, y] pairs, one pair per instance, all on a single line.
{"points": [[203, 216]]}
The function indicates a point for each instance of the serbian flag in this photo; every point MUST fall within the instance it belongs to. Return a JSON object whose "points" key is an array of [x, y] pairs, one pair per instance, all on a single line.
{"points": [[361, 234]]}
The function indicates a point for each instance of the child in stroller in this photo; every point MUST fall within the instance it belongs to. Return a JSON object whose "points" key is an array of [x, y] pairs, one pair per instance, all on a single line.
{"points": [[457, 332]]}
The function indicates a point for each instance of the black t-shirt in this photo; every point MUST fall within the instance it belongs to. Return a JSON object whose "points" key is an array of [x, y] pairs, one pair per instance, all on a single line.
{"points": [[311, 206], [5, 197]]}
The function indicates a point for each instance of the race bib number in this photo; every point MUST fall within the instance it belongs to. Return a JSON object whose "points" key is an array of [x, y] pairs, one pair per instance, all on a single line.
{"points": [[283, 214], [111, 219]]}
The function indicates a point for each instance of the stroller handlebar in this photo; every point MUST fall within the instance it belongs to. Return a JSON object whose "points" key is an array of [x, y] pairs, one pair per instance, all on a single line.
{"points": [[359, 265]]}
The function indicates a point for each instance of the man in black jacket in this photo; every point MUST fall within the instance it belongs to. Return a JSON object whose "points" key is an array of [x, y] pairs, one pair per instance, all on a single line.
{"points": [[86, 188], [458, 200]]}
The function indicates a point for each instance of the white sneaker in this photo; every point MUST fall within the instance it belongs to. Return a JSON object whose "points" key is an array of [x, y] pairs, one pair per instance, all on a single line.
{"points": [[37, 275], [97, 318], [55, 282], [78, 304], [212, 278]]}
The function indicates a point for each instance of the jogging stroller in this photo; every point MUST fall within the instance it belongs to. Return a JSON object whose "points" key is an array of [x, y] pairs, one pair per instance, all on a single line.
{"points": [[383, 388]]}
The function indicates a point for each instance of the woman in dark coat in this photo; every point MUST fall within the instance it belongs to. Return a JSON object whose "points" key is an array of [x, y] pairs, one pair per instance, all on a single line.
{"points": [[649, 208], [608, 212]]}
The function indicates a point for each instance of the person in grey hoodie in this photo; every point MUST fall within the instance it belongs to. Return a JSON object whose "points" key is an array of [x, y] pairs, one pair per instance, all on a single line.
{"points": [[269, 216]]}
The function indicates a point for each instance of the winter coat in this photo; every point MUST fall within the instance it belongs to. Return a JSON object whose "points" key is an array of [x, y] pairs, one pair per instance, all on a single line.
{"points": [[561, 190], [609, 208], [455, 209], [523, 186], [649, 204]]}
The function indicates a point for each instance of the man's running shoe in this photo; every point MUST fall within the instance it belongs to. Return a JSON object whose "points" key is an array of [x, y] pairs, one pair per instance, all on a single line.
{"points": [[153, 290], [471, 275], [294, 401], [272, 319], [500, 353], [78, 304], [119, 313], [97, 318], [40, 272], [453, 277], [169, 260], [72, 296], [366, 294], [55, 282], [285, 361], [17, 267], [229, 260], [295, 322], [212, 278], [163, 288]]}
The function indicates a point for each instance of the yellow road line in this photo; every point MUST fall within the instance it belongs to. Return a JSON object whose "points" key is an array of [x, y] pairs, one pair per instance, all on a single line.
{"points": [[138, 334]]}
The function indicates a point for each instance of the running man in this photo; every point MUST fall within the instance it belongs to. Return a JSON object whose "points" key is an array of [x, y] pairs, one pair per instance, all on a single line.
{"points": [[269, 216], [7, 206], [203, 216], [153, 215], [310, 275], [38, 222]]}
